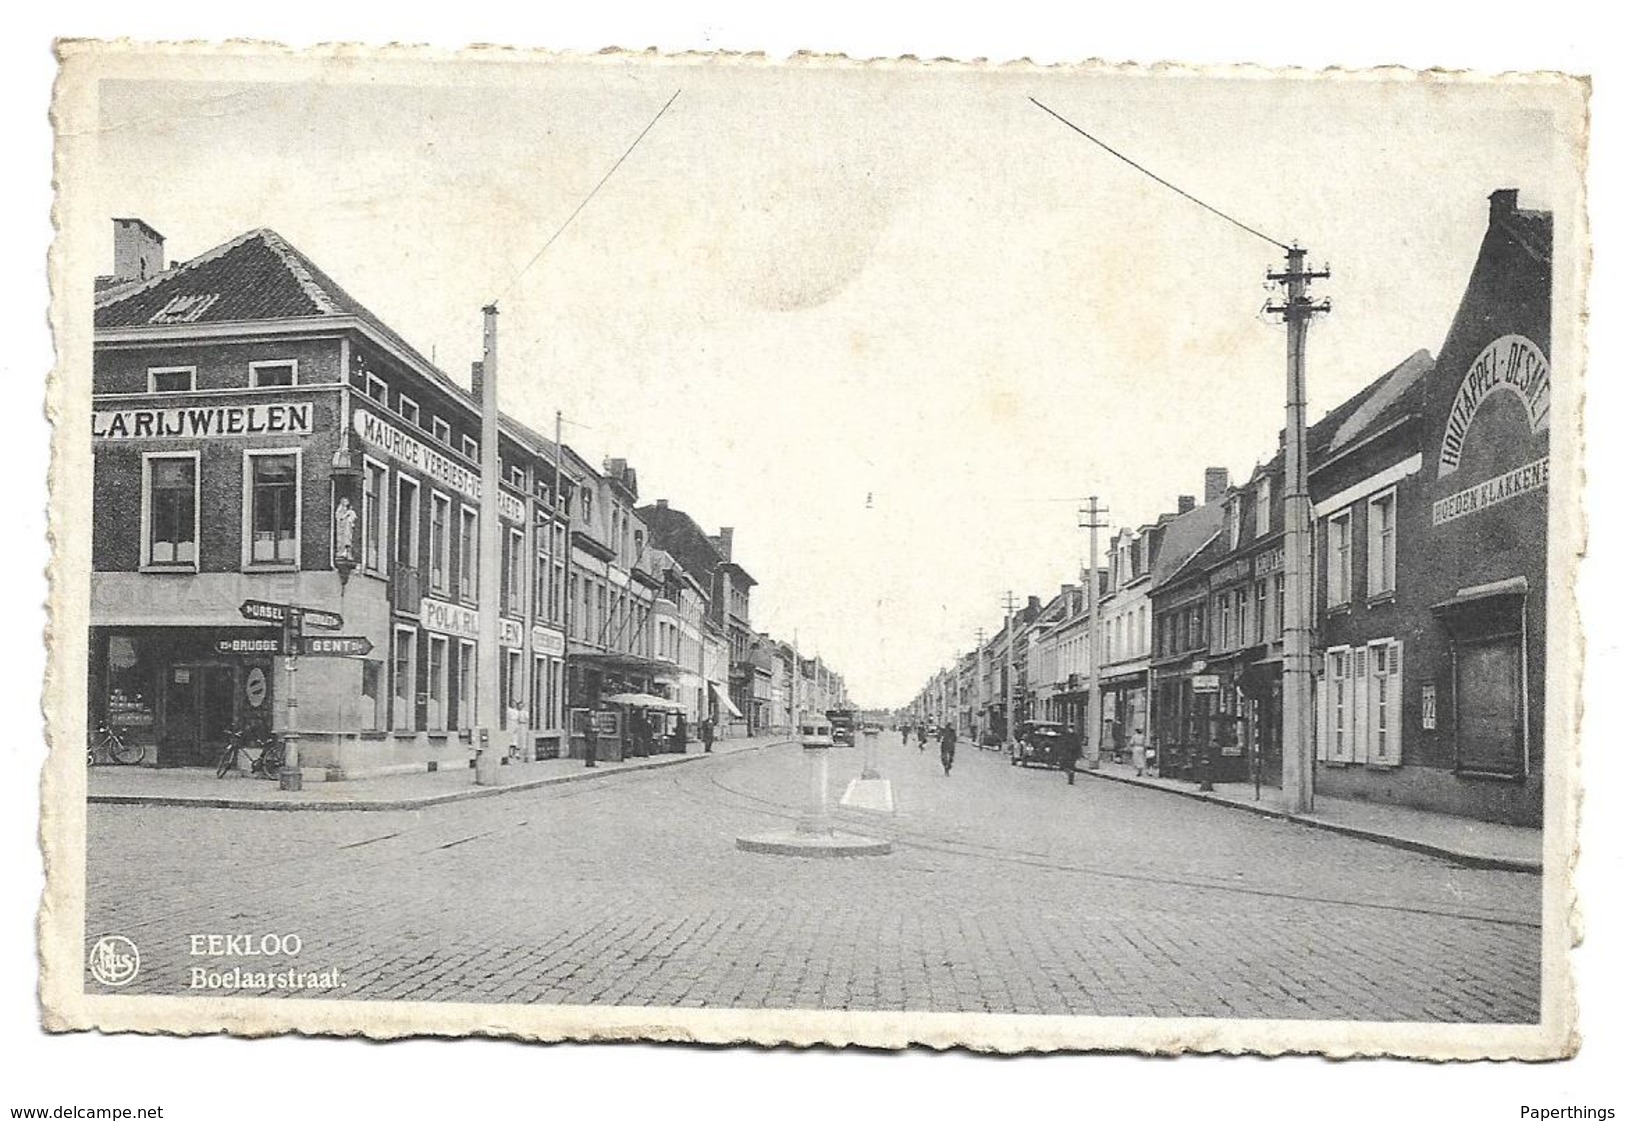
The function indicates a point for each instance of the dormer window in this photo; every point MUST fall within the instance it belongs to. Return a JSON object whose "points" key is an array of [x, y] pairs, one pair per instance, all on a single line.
{"points": [[1234, 520], [1263, 500]]}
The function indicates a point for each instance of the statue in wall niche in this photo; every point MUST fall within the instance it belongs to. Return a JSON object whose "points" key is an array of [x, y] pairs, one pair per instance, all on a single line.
{"points": [[344, 519]]}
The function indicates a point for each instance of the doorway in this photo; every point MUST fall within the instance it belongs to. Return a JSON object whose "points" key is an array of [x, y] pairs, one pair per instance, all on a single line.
{"points": [[200, 704]]}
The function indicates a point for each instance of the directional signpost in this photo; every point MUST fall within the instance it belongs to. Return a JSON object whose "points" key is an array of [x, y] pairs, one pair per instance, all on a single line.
{"points": [[262, 612], [293, 619]]}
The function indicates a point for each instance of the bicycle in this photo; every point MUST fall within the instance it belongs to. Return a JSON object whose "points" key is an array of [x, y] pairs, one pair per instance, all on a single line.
{"points": [[110, 743], [242, 741]]}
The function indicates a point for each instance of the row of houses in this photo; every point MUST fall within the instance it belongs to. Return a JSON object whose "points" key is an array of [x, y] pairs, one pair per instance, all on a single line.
{"points": [[1428, 593], [261, 440]]}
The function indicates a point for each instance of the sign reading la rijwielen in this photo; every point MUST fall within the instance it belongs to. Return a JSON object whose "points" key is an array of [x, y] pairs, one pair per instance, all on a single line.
{"points": [[415, 454], [202, 421]]}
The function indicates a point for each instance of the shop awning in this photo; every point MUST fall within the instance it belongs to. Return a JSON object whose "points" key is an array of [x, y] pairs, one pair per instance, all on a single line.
{"points": [[643, 700], [727, 702], [1517, 586]]}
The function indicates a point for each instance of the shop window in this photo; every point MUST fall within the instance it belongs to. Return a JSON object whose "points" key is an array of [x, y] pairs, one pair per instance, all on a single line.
{"points": [[513, 688], [374, 477], [171, 379], [170, 511], [439, 541], [436, 685], [265, 375], [272, 479], [468, 538], [1380, 545], [404, 710], [1339, 543]]}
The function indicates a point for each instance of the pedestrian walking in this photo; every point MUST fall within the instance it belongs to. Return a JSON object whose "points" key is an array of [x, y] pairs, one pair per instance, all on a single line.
{"points": [[708, 733], [947, 740], [589, 748], [905, 735], [919, 734], [680, 733], [1071, 748]]}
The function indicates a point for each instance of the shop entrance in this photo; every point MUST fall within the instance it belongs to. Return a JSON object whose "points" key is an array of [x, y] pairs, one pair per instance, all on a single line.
{"points": [[1489, 709], [200, 704]]}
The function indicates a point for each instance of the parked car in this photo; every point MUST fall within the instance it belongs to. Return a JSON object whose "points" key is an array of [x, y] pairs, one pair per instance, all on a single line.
{"points": [[842, 726], [1039, 743]]}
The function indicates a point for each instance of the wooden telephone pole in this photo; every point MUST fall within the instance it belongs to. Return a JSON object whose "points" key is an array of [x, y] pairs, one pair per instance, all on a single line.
{"points": [[1092, 518]]}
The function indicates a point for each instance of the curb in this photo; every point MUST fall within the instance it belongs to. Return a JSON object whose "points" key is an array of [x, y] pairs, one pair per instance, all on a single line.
{"points": [[1467, 860], [412, 803]]}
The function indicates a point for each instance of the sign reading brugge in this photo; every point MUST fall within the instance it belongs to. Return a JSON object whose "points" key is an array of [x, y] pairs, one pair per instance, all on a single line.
{"points": [[208, 420], [1510, 364], [271, 645]]}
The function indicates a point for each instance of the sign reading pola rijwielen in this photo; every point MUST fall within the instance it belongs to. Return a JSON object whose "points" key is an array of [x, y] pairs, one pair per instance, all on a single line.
{"points": [[257, 434]]}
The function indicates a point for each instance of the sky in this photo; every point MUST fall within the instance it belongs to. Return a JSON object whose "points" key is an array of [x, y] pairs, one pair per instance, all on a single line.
{"points": [[892, 324]]}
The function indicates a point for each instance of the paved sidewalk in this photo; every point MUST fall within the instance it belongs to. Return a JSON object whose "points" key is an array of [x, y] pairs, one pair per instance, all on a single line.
{"points": [[1477, 844], [198, 786]]}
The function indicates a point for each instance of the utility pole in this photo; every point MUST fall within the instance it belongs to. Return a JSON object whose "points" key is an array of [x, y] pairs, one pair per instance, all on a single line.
{"points": [[979, 707], [1297, 719], [1092, 518], [487, 757], [1009, 670]]}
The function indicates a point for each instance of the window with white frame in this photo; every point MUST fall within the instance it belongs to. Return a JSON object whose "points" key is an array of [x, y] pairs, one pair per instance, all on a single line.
{"points": [[439, 541], [516, 477], [513, 687], [264, 375], [1339, 546], [374, 479], [471, 448], [1381, 534], [468, 538], [170, 510], [1383, 704], [1262, 520], [1233, 521], [1339, 695], [436, 685], [271, 511], [514, 600], [378, 389], [441, 431], [406, 522], [171, 379], [467, 682], [405, 666], [408, 409]]}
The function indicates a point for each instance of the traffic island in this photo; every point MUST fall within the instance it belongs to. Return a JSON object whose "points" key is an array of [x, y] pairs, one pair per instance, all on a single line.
{"points": [[815, 834]]}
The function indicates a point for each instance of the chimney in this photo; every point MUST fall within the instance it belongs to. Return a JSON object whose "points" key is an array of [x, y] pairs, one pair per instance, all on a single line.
{"points": [[1187, 503], [1033, 605], [660, 504], [477, 379], [1215, 481], [138, 250], [1503, 202], [725, 542]]}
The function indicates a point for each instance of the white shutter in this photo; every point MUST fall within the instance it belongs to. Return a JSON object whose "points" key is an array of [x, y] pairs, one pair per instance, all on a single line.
{"points": [[1319, 690], [1357, 710], [1390, 756]]}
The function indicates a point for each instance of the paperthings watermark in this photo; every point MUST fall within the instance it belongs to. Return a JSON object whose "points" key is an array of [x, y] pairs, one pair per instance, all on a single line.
{"points": [[114, 960], [1567, 1113], [264, 965]]}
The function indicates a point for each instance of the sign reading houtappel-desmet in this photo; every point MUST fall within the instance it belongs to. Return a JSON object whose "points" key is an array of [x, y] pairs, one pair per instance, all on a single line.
{"points": [[203, 421], [1511, 364]]}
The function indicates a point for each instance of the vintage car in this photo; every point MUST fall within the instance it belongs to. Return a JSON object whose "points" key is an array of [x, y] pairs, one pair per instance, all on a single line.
{"points": [[1040, 743], [843, 726]]}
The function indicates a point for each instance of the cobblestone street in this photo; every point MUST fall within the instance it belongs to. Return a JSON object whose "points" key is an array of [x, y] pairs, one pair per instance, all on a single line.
{"points": [[1008, 891]]}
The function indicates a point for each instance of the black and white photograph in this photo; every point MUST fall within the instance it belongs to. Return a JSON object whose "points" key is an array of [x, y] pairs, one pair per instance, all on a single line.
{"points": [[720, 549]]}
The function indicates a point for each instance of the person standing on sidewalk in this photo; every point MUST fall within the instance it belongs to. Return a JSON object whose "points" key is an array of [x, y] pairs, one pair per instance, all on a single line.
{"points": [[947, 740], [708, 733], [680, 734], [1071, 748], [589, 749], [905, 735]]}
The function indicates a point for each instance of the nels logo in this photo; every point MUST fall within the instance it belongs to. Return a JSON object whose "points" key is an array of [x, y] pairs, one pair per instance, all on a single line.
{"points": [[114, 960]]}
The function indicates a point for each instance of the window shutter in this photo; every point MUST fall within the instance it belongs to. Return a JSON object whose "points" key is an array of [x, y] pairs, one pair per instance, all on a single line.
{"points": [[1396, 706], [1357, 710]]}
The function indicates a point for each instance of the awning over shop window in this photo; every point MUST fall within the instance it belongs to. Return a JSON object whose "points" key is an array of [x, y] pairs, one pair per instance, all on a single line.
{"points": [[1485, 608], [726, 702]]}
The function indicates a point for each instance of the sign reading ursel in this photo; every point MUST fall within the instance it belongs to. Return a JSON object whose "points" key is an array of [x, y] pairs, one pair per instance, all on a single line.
{"points": [[209, 420]]}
